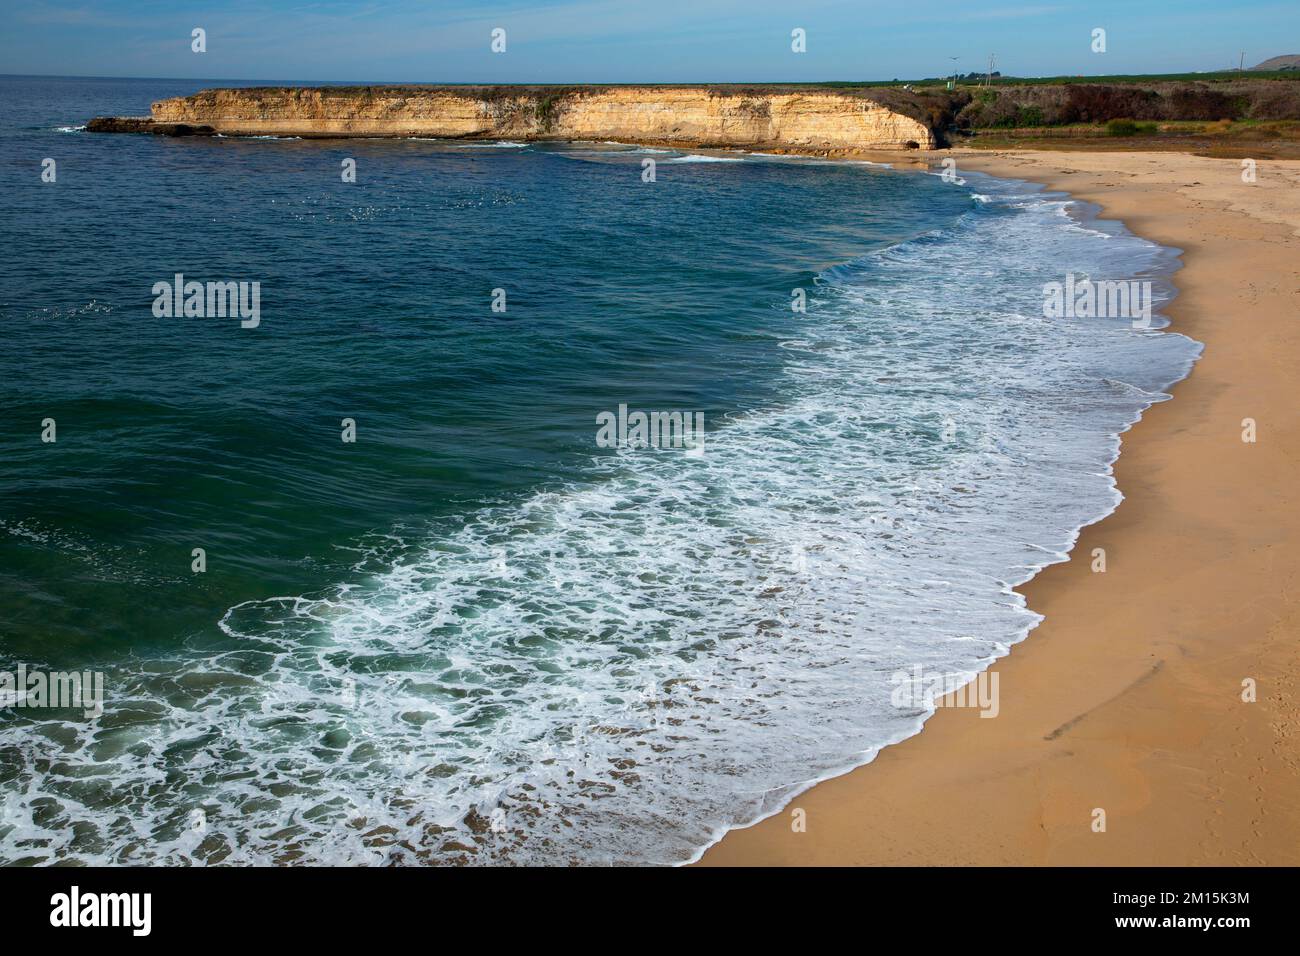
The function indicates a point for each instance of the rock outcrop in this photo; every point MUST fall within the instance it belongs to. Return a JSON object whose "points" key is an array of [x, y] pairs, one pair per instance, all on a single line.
{"points": [[803, 119], [145, 124]]}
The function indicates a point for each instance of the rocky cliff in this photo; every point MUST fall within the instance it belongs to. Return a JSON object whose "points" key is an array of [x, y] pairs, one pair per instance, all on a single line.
{"points": [[804, 119]]}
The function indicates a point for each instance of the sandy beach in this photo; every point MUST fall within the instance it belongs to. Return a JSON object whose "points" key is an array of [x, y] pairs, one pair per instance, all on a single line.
{"points": [[1129, 696]]}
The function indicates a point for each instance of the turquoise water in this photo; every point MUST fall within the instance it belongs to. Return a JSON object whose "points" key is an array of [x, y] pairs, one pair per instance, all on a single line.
{"points": [[473, 635]]}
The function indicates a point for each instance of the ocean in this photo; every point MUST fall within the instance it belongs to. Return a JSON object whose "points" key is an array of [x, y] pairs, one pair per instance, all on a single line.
{"points": [[475, 633]]}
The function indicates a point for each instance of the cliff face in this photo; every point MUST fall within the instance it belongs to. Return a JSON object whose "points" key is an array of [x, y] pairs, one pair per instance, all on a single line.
{"points": [[772, 118]]}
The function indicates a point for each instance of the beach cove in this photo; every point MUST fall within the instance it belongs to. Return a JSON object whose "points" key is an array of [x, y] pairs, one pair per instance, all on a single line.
{"points": [[474, 610]]}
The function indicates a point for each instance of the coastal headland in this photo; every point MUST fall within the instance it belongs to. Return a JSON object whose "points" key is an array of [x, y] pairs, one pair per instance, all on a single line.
{"points": [[802, 119]]}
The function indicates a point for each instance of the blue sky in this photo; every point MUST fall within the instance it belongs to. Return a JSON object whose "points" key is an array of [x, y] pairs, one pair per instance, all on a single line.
{"points": [[589, 41]]}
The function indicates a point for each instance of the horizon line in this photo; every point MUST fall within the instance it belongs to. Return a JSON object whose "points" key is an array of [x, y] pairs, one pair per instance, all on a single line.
{"points": [[1002, 76]]}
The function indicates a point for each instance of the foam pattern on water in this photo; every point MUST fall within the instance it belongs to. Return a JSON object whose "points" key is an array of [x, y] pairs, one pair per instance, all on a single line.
{"points": [[618, 671]]}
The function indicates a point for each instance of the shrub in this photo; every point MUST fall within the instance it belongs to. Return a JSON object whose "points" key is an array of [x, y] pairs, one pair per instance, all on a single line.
{"points": [[1201, 103], [1127, 127], [1277, 101], [1089, 103]]}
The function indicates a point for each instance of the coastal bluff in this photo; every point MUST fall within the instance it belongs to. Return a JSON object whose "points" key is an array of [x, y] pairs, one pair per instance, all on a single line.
{"points": [[787, 118]]}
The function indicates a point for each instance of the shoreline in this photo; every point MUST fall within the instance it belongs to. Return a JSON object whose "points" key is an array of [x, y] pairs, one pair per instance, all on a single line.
{"points": [[1087, 215], [1127, 697]]}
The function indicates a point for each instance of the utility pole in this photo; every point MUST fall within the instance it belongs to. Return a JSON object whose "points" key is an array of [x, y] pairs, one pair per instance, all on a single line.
{"points": [[1241, 64], [988, 80], [952, 84]]}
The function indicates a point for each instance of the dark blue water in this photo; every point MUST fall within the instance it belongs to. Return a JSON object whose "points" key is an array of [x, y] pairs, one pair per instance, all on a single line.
{"points": [[472, 634]]}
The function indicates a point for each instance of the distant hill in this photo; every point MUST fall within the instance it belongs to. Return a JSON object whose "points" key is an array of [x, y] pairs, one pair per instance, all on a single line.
{"points": [[1289, 62]]}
